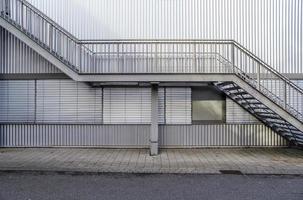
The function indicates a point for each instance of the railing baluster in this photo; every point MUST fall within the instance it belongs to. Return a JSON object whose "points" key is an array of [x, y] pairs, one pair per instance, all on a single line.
{"points": [[258, 76], [284, 95], [50, 37], [195, 57]]}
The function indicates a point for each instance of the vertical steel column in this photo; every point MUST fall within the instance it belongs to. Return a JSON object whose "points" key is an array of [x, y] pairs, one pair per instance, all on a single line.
{"points": [[154, 135]]}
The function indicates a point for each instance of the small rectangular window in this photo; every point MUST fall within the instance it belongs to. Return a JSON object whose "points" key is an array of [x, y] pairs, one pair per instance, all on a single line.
{"points": [[208, 105], [208, 110]]}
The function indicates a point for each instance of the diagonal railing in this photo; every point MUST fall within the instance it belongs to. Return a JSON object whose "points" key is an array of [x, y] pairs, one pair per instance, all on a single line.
{"points": [[153, 56]]}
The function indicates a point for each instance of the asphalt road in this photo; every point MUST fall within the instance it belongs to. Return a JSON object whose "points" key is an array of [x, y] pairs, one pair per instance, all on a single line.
{"points": [[54, 186]]}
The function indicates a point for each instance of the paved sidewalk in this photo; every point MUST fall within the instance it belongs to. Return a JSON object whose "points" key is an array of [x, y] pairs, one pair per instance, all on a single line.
{"points": [[205, 161]]}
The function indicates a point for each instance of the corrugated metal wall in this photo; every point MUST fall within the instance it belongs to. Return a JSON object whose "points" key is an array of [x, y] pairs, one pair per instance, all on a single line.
{"points": [[218, 135], [185, 136], [16, 57], [272, 29], [66, 101], [15, 135]]}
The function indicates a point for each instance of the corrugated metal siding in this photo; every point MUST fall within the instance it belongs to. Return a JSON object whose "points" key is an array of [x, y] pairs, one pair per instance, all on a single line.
{"points": [[185, 136], [74, 135], [127, 105], [178, 105], [236, 114], [272, 29], [218, 135], [67, 101], [16, 57], [17, 101]]}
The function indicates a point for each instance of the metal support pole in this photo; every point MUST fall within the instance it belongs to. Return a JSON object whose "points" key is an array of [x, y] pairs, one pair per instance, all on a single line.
{"points": [[7, 7], [233, 57], [80, 58], [156, 59], [22, 15], [284, 95], [118, 58], [195, 58], [258, 77], [154, 132], [50, 37]]}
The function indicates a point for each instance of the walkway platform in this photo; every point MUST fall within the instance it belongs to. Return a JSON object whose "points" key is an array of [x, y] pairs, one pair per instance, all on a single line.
{"points": [[203, 161]]}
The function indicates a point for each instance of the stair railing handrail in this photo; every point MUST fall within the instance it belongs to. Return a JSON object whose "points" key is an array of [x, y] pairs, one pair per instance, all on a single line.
{"points": [[49, 20], [53, 23], [257, 59]]}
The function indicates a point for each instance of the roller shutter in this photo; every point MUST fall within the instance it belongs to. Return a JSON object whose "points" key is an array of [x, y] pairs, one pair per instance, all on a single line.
{"points": [[127, 105], [17, 101], [178, 105], [67, 101]]}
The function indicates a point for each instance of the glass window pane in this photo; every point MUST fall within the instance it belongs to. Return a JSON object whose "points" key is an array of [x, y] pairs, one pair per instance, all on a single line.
{"points": [[208, 110]]}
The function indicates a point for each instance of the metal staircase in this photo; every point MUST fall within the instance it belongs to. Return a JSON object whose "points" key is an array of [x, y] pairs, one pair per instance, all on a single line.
{"points": [[261, 112], [254, 85]]}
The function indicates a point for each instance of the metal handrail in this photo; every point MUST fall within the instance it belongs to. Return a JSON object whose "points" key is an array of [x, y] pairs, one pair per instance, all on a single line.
{"points": [[257, 59], [46, 18]]}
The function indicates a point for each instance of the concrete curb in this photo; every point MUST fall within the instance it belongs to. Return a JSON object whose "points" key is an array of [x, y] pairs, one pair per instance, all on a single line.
{"points": [[81, 173]]}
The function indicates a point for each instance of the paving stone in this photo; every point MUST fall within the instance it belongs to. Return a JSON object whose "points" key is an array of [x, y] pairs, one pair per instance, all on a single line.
{"points": [[250, 161]]}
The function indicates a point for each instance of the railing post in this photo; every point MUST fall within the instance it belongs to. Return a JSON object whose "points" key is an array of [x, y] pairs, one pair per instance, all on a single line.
{"points": [[195, 57], [233, 57], [118, 57], [258, 77], [284, 95], [50, 37], [7, 7], [21, 15], [156, 59]]}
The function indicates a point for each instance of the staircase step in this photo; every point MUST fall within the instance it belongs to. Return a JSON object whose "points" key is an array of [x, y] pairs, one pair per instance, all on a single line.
{"points": [[239, 93], [233, 88], [224, 83], [277, 121], [270, 116], [247, 98], [255, 107], [263, 112], [282, 126], [253, 103]]}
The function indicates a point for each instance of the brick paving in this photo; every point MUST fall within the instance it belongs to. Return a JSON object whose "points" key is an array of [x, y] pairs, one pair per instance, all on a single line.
{"points": [[205, 161]]}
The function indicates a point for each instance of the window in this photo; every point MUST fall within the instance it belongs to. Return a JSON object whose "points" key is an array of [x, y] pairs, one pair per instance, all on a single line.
{"points": [[208, 105]]}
